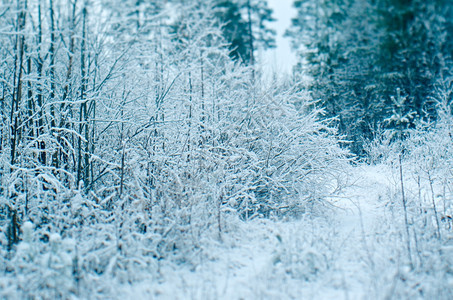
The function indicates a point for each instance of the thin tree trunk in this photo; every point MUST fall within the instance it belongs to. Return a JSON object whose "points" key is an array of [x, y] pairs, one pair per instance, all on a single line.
{"points": [[64, 109], [30, 102], [406, 223], [122, 142], [92, 139], [2, 116], [40, 122], [92, 113], [17, 92], [83, 105], [12, 230], [434, 205], [251, 40], [202, 89], [53, 121], [189, 130]]}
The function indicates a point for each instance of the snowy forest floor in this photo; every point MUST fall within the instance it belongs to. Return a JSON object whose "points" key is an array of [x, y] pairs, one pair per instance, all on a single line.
{"points": [[357, 251], [355, 247]]}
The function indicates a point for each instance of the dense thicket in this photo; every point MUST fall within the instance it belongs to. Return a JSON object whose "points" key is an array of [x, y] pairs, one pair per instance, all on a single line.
{"points": [[129, 132], [360, 53]]}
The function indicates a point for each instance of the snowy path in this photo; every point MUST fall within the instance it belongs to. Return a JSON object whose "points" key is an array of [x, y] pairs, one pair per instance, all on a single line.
{"points": [[363, 211], [344, 249]]}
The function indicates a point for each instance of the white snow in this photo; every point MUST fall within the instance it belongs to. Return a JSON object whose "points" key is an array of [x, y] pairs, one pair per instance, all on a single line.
{"points": [[350, 254], [354, 249]]}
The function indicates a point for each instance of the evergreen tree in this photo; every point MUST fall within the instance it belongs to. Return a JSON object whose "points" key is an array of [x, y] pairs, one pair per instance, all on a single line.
{"points": [[358, 53], [235, 30], [336, 45], [245, 27], [413, 49]]}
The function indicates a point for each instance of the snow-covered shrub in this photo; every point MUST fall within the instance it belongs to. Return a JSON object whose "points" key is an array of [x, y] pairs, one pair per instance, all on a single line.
{"points": [[381, 149], [291, 159]]}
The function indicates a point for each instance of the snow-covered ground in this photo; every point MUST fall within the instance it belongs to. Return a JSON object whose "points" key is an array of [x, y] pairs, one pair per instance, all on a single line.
{"points": [[355, 251]]}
